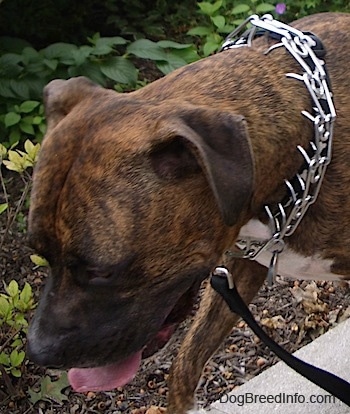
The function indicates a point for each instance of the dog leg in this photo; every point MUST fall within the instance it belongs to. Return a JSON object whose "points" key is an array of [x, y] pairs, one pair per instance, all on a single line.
{"points": [[212, 324]]}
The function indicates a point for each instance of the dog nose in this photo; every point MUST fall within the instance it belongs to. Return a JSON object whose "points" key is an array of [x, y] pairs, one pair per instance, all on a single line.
{"points": [[44, 356], [45, 347], [44, 353]]}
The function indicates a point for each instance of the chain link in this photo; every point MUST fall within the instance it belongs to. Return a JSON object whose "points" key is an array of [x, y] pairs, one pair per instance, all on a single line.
{"points": [[285, 217]]}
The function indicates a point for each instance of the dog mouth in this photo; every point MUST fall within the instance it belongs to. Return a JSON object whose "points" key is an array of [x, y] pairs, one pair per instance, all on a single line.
{"points": [[109, 377]]}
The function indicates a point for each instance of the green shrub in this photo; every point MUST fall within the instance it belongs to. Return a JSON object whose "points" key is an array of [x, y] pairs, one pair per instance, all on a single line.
{"points": [[221, 17], [15, 303], [14, 307], [20, 121], [20, 161], [300, 8], [105, 60]]}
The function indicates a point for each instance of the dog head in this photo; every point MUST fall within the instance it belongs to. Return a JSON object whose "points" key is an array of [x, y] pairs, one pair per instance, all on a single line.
{"points": [[131, 203]]}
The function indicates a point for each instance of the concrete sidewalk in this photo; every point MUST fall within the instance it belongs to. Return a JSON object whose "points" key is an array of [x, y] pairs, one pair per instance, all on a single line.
{"points": [[330, 351]]}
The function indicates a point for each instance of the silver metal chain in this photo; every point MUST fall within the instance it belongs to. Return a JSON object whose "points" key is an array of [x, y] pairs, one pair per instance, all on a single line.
{"points": [[285, 217]]}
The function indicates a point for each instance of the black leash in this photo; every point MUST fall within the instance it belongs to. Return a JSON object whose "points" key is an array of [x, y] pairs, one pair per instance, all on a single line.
{"points": [[324, 379]]}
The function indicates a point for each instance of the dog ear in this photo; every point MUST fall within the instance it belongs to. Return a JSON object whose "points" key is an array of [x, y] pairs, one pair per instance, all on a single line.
{"points": [[60, 96], [216, 143]]}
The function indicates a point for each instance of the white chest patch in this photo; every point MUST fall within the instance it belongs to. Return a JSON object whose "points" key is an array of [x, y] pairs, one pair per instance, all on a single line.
{"points": [[290, 263]]}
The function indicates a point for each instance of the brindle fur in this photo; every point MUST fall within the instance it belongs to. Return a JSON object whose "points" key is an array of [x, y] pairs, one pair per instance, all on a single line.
{"points": [[136, 197]]}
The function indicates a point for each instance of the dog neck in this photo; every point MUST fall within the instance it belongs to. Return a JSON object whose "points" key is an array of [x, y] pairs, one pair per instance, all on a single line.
{"points": [[285, 217]]}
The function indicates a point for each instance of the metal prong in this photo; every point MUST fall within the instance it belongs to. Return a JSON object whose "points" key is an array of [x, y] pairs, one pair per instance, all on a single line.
{"points": [[301, 182], [304, 154], [291, 190], [273, 224], [283, 214], [271, 274], [295, 76], [308, 116]]}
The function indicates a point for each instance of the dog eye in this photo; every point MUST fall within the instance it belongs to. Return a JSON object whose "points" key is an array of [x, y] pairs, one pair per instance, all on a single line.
{"points": [[98, 277], [102, 275]]}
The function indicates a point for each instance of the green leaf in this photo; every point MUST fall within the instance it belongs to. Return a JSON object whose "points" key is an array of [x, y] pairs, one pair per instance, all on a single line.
{"points": [[29, 146], [16, 372], [81, 55], [114, 40], [42, 128], [28, 106], [51, 64], [208, 8], [5, 89], [26, 127], [4, 359], [15, 162], [59, 50], [15, 137], [169, 44], [3, 207], [29, 54], [146, 49], [4, 307], [26, 294], [101, 50], [10, 59], [264, 8], [200, 31], [13, 44], [12, 288], [11, 118], [91, 70], [188, 55], [173, 62], [209, 48], [240, 8], [39, 260], [37, 120], [17, 357], [19, 319], [238, 22], [228, 28], [37, 68], [219, 21], [104, 45], [32, 152], [36, 85], [17, 343], [13, 166], [50, 390], [3, 151], [9, 65], [20, 87], [120, 70]]}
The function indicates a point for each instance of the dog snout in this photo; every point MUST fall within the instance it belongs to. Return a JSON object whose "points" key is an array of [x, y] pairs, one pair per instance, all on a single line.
{"points": [[49, 347], [45, 350]]}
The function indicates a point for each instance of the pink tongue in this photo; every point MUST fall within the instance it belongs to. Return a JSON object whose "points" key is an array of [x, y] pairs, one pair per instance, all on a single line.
{"points": [[105, 378]]}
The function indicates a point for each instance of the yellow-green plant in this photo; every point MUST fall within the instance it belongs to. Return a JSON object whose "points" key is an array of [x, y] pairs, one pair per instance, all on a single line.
{"points": [[15, 304], [19, 161]]}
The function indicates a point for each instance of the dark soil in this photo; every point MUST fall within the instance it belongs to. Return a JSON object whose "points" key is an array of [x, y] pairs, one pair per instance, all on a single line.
{"points": [[294, 313]]}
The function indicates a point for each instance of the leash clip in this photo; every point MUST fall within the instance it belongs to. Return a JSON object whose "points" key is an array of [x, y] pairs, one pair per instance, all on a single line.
{"points": [[222, 271]]}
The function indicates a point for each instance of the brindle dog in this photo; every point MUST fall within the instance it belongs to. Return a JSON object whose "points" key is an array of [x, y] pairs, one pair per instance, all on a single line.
{"points": [[136, 196]]}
